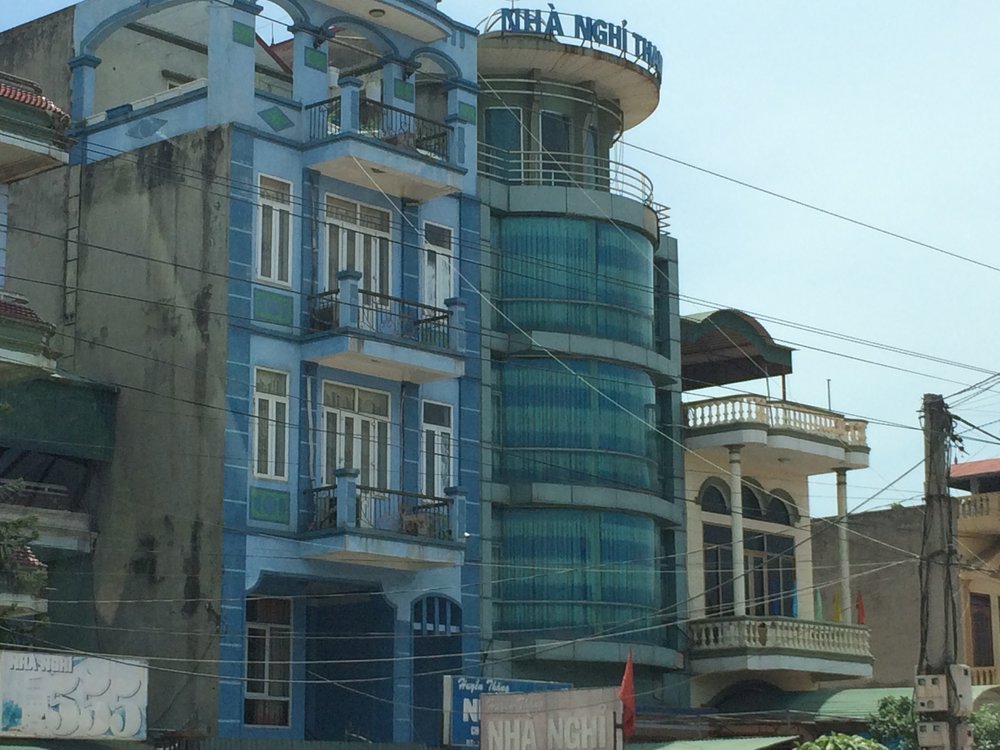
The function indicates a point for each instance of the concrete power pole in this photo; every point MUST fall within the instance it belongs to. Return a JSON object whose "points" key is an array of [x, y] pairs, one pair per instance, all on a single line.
{"points": [[943, 689]]}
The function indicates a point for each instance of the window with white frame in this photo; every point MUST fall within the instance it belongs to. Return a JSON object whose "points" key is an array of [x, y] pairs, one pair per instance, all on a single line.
{"points": [[270, 424], [274, 231], [356, 433], [436, 466], [357, 239], [438, 272], [268, 692]]}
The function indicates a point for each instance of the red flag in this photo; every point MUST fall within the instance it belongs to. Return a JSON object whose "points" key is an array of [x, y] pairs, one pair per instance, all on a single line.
{"points": [[627, 694], [860, 620]]}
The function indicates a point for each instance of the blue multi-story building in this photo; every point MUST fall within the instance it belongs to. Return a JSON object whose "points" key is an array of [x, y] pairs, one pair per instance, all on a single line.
{"points": [[273, 250]]}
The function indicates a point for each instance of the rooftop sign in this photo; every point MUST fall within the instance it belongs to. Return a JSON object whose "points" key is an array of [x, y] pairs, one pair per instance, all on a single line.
{"points": [[593, 31]]}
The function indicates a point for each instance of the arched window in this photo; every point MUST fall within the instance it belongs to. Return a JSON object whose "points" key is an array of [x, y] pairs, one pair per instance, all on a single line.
{"points": [[752, 507], [781, 508], [713, 497]]}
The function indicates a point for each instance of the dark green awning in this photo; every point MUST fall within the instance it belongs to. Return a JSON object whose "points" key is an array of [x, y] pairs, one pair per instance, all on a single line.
{"points": [[59, 415], [728, 346]]}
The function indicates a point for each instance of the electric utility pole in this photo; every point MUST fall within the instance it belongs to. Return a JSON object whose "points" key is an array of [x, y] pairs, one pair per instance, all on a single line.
{"points": [[943, 689]]}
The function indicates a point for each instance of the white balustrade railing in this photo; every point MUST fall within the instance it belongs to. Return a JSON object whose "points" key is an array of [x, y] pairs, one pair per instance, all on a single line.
{"points": [[978, 505], [758, 410], [763, 633], [985, 675]]}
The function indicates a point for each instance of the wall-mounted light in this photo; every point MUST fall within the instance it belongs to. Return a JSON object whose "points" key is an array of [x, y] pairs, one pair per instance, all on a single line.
{"points": [[376, 13]]}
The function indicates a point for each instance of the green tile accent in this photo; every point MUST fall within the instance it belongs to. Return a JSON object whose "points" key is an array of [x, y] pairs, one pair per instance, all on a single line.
{"points": [[272, 506], [315, 59], [243, 34], [276, 118], [467, 112], [404, 90], [272, 307]]}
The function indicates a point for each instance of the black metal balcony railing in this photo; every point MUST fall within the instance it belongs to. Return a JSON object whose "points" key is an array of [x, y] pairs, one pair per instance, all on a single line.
{"points": [[385, 123], [407, 513], [382, 314], [324, 119]]}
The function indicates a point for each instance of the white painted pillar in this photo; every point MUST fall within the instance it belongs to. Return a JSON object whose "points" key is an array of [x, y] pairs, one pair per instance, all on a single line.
{"points": [[843, 548], [736, 509]]}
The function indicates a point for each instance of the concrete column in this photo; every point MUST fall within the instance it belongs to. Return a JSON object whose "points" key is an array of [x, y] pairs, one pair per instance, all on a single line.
{"points": [[350, 103], [843, 548], [348, 298], [347, 497], [402, 677], [83, 69], [310, 83], [456, 514], [736, 507], [231, 58], [461, 118], [398, 90]]}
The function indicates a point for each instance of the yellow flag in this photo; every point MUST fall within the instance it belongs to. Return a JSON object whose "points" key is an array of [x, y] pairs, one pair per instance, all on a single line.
{"points": [[837, 614]]}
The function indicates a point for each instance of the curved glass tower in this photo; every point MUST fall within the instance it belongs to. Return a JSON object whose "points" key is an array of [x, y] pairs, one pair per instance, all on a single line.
{"points": [[584, 506]]}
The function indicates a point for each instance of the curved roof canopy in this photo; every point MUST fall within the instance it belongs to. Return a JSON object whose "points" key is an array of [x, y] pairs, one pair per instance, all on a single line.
{"points": [[728, 346]]}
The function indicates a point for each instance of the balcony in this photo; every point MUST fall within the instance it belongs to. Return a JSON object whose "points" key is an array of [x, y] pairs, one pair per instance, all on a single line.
{"points": [[61, 524], [372, 144], [979, 514], [566, 170], [805, 439], [385, 528], [985, 675], [754, 644], [383, 336]]}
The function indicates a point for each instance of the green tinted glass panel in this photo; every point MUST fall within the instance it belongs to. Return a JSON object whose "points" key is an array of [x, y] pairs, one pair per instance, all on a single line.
{"points": [[573, 573], [577, 276], [581, 427]]}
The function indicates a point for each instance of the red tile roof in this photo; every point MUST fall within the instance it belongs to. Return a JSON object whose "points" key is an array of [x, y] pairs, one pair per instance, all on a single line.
{"points": [[24, 557], [974, 468], [18, 311], [27, 92]]}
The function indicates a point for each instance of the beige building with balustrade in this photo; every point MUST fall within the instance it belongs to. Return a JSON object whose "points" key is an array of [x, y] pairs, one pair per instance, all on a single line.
{"points": [[757, 618]]}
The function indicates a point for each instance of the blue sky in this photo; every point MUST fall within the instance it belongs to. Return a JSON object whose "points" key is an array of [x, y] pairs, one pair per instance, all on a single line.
{"points": [[887, 113]]}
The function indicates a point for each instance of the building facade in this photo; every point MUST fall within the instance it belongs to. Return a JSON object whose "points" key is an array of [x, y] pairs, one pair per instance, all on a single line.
{"points": [[273, 250], [582, 502], [764, 622]]}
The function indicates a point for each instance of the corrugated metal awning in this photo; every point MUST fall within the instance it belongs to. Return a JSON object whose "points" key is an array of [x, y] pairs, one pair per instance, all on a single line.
{"points": [[726, 743]]}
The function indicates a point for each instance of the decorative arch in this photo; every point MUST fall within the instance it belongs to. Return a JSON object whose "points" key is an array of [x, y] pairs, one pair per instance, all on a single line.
{"points": [[713, 496], [781, 508], [133, 10], [454, 73], [383, 44]]}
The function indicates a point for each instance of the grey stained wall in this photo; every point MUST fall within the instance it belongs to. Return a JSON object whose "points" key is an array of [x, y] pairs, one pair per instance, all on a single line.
{"points": [[150, 317], [891, 595], [39, 51]]}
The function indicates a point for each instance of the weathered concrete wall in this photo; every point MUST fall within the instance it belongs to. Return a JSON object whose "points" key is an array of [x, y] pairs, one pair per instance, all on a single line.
{"points": [[891, 595], [150, 317], [39, 50]]}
